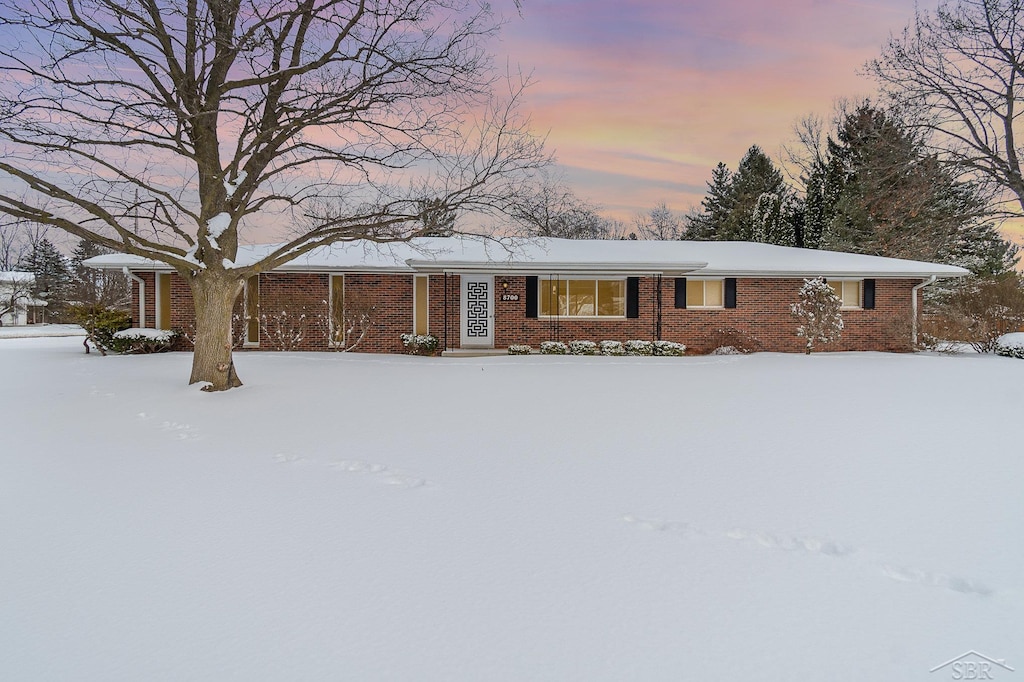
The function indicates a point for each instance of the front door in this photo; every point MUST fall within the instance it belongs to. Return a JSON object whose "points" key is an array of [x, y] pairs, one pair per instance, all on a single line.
{"points": [[477, 311]]}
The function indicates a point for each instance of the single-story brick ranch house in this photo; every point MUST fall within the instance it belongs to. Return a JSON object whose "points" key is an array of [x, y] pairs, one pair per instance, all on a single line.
{"points": [[478, 295]]}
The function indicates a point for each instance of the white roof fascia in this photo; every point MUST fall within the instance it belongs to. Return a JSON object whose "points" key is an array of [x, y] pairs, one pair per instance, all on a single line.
{"points": [[838, 274], [534, 268]]}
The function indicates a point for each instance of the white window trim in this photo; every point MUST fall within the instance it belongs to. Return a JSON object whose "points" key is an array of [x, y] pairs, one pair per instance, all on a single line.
{"points": [[860, 293], [702, 280], [604, 278]]}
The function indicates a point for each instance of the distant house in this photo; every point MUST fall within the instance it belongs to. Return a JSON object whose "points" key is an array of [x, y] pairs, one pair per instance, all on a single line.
{"points": [[483, 295], [16, 297]]}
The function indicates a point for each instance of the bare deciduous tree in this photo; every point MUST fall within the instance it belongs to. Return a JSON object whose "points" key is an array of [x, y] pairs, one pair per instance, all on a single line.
{"points": [[961, 70], [167, 128], [658, 223], [547, 207]]}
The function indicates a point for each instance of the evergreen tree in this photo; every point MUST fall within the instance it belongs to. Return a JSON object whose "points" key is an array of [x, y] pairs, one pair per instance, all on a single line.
{"points": [[53, 276], [879, 192], [817, 313], [756, 175], [770, 224], [717, 204], [437, 219], [728, 208]]}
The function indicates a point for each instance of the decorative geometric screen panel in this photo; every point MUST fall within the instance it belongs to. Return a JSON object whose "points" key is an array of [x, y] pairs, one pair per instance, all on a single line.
{"points": [[477, 310]]}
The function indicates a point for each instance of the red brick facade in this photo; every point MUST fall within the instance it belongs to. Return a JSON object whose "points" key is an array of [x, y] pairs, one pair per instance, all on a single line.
{"points": [[294, 305]]}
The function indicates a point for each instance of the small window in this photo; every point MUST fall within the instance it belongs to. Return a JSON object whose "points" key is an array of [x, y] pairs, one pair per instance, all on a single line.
{"points": [[337, 308], [252, 311], [581, 297], [163, 300], [420, 306], [848, 291], [704, 293]]}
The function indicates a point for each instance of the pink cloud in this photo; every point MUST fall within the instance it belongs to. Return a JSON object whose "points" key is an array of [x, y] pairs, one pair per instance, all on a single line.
{"points": [[661, 92]]}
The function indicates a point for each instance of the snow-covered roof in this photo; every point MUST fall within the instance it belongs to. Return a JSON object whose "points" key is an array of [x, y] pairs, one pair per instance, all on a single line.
{"points": [[540, 256], [16, 276]]}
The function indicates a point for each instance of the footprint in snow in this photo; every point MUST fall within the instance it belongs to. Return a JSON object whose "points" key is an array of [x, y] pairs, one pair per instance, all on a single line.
{"points": [[817, 546], [378, 472]]}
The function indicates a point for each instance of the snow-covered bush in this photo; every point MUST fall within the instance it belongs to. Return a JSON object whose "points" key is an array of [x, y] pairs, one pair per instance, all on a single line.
{"points": [[137, 340], [582, 348], [420, 344], [638, 347], [1011, 345], [669, 348], [553, 348], [100, 324], [817, 313], [735, 340], [612, 348], [519, 349]]}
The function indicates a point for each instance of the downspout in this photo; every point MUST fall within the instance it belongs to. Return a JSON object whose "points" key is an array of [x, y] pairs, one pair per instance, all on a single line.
{"points": [[913, 307], [142, 295]]}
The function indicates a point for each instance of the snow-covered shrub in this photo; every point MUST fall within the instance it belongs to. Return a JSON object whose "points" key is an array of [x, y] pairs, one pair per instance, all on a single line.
{"points": [[726, 350], [1011, 345], [638, 347], [582, 348], [739, 341], [817, 313], [669, 348], [137, 340], [100, 324], [519, 349], [420, 344], [553, 348], [611, 348]]}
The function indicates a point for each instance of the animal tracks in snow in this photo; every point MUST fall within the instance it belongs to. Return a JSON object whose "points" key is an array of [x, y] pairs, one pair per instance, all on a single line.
{"points": [[378, 472], [177, 430], [787, 543], [810, 545]]}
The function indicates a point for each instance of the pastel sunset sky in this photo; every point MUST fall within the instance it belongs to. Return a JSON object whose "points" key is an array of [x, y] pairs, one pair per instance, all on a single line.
{"points": [[641, 98]]}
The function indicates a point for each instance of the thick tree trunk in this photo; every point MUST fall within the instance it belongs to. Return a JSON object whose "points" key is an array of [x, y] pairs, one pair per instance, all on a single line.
{"points": [[214, 297]]}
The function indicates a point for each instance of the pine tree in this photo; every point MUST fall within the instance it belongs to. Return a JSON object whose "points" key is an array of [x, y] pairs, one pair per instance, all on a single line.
{"points": [[706, 225], [879, 192], [817, 313], [756, 175], [438, 220], [770, 225], [53, 276]]}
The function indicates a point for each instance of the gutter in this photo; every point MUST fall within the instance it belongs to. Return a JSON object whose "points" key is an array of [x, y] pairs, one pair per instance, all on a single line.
{"points": [[913, 307], [142, 296]]}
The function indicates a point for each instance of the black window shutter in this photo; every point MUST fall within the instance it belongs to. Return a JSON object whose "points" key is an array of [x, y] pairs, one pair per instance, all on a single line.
{"points": [[869, 294], [632, 297], [531, 297], [680, 292], [730, 292]]}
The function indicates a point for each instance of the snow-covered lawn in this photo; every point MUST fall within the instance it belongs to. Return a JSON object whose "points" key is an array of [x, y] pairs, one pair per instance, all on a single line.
{"points": [[32, 331], [353, 517]]}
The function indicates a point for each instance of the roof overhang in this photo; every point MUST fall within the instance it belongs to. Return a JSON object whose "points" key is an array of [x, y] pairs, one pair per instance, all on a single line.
{"points": [[566, 268]]}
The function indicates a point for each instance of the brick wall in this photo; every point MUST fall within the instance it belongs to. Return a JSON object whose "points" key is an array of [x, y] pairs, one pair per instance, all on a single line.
{"points": [[761, 314]]}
